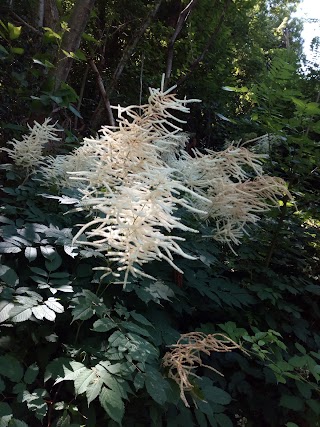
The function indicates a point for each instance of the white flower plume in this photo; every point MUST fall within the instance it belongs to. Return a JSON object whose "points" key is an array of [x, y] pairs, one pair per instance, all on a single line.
{"points": [[134, 177], [28, 152]]}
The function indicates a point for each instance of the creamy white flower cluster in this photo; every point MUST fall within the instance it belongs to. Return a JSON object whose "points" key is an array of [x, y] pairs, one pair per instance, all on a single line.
{"points": [[134, 176], [225, 179], [28, 153], [132, 191]]}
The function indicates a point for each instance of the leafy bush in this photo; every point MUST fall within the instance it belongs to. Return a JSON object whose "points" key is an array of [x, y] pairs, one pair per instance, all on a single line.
{"points": [[79, 349]]}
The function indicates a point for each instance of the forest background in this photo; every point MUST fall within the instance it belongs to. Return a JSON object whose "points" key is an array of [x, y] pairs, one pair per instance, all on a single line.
{"points": [[79, 350]]}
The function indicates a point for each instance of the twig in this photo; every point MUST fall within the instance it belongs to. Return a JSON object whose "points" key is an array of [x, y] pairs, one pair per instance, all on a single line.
{"points": [[103, 92], [26, 23]]}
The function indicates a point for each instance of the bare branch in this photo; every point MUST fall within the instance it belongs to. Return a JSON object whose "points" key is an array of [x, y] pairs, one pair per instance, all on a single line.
{"points": [[129, 49], [103, 92], [184, 15], [209, 43], [72, 38]]}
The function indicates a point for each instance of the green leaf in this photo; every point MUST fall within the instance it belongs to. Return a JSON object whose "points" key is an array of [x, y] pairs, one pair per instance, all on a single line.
{"points": [[93, 390], [74, 111], [291, 402], [289, 424], [30, 253], [8, 275], [11, 368], [314, 405], [5, 414], [223, 420], [14, 32], [82, 380], [51, 34], [112, 403], [48, 252], [31, 373], [132, 327], [3, 50], [17, 50], [54, 263], [17, 423], [82, 312], [156, 385], [20, 313], [104, 325], [35, 402], [216, 395], [8, 248], [5, 309]]}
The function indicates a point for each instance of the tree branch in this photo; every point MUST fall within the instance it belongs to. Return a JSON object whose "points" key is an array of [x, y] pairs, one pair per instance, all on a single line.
{"points": [[71, 39], [129, 49], [208, 45], [103, 92], [184, 15]]}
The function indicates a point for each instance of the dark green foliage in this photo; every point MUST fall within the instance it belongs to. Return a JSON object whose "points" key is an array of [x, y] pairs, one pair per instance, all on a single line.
{"points": [[76, 350]]}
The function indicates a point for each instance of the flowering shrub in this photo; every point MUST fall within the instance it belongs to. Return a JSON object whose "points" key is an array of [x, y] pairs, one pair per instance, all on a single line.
{"points": [[76, 349], [134, 177]]}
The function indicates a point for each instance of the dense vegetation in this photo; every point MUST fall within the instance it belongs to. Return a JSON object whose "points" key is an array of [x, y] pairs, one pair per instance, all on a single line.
{"points": [[77, 348]]}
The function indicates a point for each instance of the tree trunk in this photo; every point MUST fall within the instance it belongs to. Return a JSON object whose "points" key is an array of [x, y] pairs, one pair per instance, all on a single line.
{"points": [[51, 15], [71, 39], [184, 15], [99, 114]]}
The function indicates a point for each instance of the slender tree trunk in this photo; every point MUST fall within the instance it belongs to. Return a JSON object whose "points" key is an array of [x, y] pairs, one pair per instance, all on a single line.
{"points": [[71, 39], [99, 114], [184, 15], [40, 13], [209, 43], [51, 15]]}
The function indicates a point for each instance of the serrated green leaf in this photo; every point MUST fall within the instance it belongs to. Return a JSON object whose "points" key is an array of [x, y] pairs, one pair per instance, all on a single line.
{"points": [[82, 312], [291, 402], [30, 253], [139, 380], [20, 313], [31, 374], [156, 385], [56, 368], [5, 414], [141, 319], [93, 390], [8, 275], [54, 262], [35, 402], [11, 368], [39, 271], [216, 395], [43, 312], [7, 248], [112, 404], [17, 423], [5, 309], [82, 380], [223, 420], [104, 325], [132, 327], [54, 305]]}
